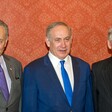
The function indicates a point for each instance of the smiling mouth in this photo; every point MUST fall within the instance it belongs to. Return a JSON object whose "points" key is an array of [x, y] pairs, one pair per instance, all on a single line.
{"points": [[63, 50]]}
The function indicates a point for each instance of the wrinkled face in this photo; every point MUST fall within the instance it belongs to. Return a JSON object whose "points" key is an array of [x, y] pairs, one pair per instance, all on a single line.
{"points": [[3, 40], [59, 42]]}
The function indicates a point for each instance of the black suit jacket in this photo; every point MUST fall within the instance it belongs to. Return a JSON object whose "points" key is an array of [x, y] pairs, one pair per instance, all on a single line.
{"points": [[102, 85]]}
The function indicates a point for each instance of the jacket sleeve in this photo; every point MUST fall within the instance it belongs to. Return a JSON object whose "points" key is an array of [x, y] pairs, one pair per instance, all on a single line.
{"points": [[29, 92], [89, 94]]}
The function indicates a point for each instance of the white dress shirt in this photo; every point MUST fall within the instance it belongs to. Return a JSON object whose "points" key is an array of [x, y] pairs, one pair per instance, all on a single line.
{"points": [[3, 65], [57, 66]]}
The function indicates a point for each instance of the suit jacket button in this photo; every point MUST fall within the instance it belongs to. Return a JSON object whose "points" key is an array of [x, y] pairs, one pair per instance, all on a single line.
{"points": [[7, 109]]}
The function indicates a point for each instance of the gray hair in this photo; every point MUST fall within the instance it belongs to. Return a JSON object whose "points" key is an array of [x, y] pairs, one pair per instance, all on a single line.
{"points": [[110, 34], [54, 25], [5, 26]]}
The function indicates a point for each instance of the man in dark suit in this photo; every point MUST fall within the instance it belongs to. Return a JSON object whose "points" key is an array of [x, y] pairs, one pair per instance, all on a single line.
{"points": [[44, 85], [102, 81], [11, 69]]}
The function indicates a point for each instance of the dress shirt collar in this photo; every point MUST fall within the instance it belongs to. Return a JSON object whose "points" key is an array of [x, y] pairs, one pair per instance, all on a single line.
{"points": [[55, 61], [1, 59]]}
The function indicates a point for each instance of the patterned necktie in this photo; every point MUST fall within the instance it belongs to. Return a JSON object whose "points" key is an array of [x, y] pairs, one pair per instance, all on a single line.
{"points": [[3, 84], [66, 81]]}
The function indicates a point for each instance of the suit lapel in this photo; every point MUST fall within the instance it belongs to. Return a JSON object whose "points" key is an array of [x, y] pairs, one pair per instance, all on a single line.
{"points": [[76, 73], [54, 78]]}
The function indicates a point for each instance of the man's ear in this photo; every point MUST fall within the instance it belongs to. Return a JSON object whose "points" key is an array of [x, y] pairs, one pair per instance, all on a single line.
{"points": [[109, 43], [47, 42], [6, 42]]}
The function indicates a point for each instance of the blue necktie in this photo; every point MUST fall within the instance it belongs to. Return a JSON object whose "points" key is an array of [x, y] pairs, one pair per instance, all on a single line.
{"points": [[3, 84], [66, 81]]}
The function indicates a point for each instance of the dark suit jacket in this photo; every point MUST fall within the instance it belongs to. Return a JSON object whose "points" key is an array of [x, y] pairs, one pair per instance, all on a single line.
{"points": [[15, 70], [102, 85], [42, 91]]}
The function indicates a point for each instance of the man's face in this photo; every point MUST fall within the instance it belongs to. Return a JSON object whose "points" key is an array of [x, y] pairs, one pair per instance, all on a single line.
{"points": [[3, 40], [59, 42]]}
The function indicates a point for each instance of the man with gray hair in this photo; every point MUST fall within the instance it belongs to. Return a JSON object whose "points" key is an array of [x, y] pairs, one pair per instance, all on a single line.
{"points": [[102, 81], [10, 73], [58, 81]]}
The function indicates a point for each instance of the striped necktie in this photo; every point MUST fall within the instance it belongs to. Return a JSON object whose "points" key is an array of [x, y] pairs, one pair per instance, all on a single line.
{"points": [[3, 84]]}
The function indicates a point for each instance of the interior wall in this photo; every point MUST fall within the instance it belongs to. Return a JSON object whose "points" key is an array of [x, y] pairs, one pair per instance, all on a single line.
{"points": [[28, 19]]}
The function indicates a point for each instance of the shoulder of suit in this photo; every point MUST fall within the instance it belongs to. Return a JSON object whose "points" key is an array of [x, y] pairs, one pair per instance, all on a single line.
{"points": [[79, 60], [36, 62], [10, 58], [103, 62]]}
